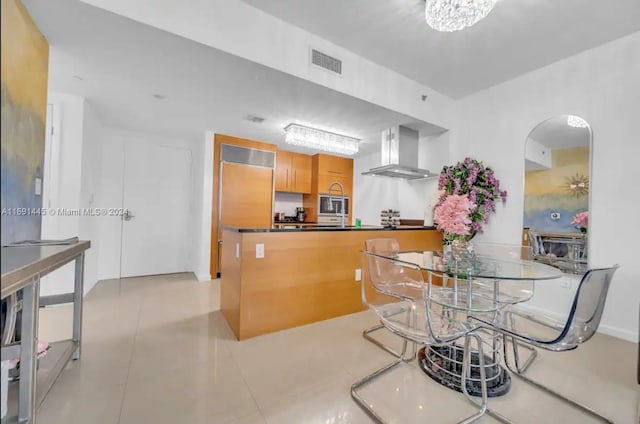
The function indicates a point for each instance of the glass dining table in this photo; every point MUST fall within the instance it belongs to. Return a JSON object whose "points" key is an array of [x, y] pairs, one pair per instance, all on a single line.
{"points": [[483, 280]]}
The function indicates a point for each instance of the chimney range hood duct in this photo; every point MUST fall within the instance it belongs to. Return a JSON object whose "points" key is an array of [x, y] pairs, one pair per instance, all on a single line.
{"points": [[400, 155]]}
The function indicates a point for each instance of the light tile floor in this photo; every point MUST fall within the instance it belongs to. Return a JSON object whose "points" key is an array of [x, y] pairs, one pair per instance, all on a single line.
{"points": [[154, 351]]}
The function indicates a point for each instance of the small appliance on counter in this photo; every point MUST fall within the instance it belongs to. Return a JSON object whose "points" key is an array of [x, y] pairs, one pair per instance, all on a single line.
{"points": [[300, 214], [281, 218], [389, 217]]}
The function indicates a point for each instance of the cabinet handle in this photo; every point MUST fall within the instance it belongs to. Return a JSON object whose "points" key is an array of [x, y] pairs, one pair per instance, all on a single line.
{"points": [[287, 178], [335, 172], [295, 177]]}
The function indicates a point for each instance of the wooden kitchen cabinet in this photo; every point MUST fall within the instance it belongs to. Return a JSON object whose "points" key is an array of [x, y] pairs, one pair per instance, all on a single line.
{"points": [[325, 170], [293, 172], [333, 168], [301, 165], [294, 275], [324, 181], [334, 165], [283, 168]]}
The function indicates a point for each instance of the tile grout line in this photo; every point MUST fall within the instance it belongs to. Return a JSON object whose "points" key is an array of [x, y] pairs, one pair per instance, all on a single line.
{"points": [[245, 382], [133, 347]]}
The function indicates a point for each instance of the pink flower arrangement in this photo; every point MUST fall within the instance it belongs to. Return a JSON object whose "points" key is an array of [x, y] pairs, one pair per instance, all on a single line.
{"points": [[452, 216], [581, 221], [472, 178]]}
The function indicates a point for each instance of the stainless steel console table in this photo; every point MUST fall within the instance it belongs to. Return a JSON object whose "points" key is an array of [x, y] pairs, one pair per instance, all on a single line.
{"points": [[22, 268]]}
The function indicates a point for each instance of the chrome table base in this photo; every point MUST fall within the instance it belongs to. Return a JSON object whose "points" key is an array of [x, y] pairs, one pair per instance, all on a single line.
{"points": [[443, 364]]}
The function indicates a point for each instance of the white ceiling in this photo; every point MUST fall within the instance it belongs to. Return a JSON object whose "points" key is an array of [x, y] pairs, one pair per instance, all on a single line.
{"points": [[555, 133], [518, 36], [123, 63]]}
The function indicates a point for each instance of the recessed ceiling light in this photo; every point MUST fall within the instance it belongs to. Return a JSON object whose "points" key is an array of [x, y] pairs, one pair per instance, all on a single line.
{"points": [[159, 96], [576, 122]]}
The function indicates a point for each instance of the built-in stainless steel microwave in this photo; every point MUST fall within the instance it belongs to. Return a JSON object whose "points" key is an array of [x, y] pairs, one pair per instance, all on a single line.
{"points": [[332, 205]]}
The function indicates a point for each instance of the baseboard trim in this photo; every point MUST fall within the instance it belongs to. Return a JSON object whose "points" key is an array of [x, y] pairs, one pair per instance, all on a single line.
{"points": [[203, 277], [616, 332]]}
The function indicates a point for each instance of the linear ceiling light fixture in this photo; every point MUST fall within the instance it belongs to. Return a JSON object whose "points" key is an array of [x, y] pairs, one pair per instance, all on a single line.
{"points": [[314, 138], [454, 15]]}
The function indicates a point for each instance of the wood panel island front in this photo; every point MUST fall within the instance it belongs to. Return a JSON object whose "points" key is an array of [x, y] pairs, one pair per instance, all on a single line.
{"points": [[284, 277]]}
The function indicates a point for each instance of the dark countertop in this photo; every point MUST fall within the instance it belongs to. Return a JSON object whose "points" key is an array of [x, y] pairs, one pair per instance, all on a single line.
{"points": [[294, 222], [288, 228]]}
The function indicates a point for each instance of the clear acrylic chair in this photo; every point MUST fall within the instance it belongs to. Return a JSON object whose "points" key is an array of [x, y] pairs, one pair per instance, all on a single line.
{"points": [[413, 320], [395, 285], [518, 325]]}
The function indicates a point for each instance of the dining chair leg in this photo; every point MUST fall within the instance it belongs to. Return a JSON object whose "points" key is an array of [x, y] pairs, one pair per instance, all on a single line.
{"points": [[489, 411], [550, 391], [367, 335], [466, 366], [363, 381], [362, 403], [516, 353], [411, 317], [516, 356]]}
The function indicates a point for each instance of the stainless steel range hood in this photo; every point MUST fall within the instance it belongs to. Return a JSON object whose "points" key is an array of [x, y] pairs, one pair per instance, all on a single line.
{"points": [[399, 155]]}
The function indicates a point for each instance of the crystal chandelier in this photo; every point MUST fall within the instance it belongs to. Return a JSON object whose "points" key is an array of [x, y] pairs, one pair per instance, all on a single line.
{"points": [[454, 15], [576, 122], [301, 135]]}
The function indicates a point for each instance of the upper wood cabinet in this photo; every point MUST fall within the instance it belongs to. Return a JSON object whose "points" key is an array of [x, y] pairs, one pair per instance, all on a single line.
{"points": [[324, 181], [301, 165], [327, 169], [334, 168], [283, 168], [334, 165], [293, 172]]}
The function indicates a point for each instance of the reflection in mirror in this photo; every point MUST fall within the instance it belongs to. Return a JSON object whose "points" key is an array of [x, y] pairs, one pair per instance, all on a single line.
{"points": [[556, 192]]}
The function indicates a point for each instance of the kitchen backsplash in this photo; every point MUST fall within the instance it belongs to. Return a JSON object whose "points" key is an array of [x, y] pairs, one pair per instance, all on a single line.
{"points": [[287, 203]]}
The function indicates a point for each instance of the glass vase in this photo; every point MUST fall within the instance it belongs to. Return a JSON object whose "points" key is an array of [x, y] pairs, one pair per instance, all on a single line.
{"points": [[461, 249]]}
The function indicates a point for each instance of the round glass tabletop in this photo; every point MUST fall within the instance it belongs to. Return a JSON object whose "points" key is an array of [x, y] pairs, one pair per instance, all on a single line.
{"points": [[479, 265]]}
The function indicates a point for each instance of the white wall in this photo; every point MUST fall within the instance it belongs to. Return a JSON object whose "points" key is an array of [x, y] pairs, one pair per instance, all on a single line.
{"points": [[203, 200], [109, 230], [72, 169], [373, 194], [231, 26], [287, 203], [602, 86], [92, 133]]}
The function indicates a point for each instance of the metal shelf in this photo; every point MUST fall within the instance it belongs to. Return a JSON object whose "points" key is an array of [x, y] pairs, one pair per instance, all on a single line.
{"points": [[49, 369], [22, 268]]}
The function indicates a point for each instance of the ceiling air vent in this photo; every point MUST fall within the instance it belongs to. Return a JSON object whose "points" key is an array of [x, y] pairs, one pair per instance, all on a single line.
{"points": [[326, 62]]}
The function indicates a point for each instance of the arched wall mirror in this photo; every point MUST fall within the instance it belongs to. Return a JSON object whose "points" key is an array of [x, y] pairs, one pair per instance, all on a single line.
{"points": [[556, 192]]}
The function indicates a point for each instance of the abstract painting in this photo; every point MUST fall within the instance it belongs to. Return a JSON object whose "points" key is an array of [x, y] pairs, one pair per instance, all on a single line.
{"points": [[548, 204], [25, 57]]}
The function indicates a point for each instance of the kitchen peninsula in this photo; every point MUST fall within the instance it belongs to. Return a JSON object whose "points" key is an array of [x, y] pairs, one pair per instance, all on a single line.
{"points": [[285, 276]]}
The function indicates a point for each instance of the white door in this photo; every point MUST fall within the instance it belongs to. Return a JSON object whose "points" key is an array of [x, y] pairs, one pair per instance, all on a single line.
{"points": [[157, 203]]}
